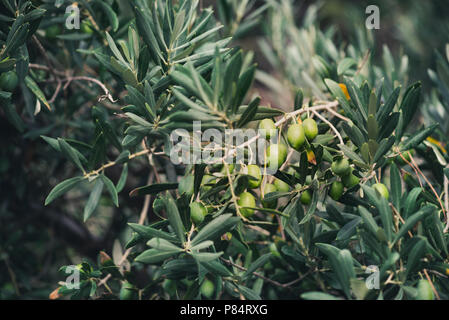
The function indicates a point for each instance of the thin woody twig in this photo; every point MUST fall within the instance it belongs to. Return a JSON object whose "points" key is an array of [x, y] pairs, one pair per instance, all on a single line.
{"points": [[427, 181], [107, 94], [330, 125], [285, 118], [431, 284], [69, 79]]}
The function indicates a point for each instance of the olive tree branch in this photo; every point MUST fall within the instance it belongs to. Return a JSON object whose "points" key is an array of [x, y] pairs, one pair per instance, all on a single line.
{"points": [[330, 125], [286, 117]]}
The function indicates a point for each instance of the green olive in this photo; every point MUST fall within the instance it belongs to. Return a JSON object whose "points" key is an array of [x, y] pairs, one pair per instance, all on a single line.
{"points": [[246, 199], [128, 292], [274, 250], [306, 197], [296, 136], [207, 289], [350, 180], [336, 190], [266, 190], [223, 170], [281, 186], [341, 167], [254, 171], [310, 128], [276, 155], [406, 156], [267, 125], [86, 27], [382, 189], [425, 291], [8, 81], [197, 212], [53, 31]]}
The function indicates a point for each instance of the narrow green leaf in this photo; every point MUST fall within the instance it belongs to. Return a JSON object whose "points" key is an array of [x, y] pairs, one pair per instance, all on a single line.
{"points": [[216, 228], [418, 137], [249, 113], [206, 256], [111, 189], [163, 245], [62, 188], [148, 232], [413, 220], [153, 189], [175, 219], [152, 256], [70, 153], [37, 92], [315, 295], [396, 186], [93, 200]]}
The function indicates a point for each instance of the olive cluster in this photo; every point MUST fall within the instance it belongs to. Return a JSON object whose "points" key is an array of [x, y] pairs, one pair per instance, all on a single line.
{"points": [[276, 154], [299, 136]]}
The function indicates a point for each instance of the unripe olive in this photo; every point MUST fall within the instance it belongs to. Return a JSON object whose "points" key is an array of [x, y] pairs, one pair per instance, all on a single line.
{"points": [[8, 81], [274, 250], [266, 190], [276, 155], [350, 180], [53, 31], [306, 197], [296, 136], [186, 185], [336, 190], [310, 128], [268, 125], [223, 170], [86, 27], [207, 289], [425, 291], [254, 171], [281, 186], [127, 292], [406, 155], [340, 167], [197, 212], [246, 199], [382, 189]]}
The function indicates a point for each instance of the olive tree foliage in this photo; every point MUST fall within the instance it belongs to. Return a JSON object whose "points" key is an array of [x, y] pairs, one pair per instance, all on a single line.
{"points": [[160, 66]]}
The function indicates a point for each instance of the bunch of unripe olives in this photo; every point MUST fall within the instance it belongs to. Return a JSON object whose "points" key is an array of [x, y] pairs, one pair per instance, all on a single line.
{"points": [[276, 155]]}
